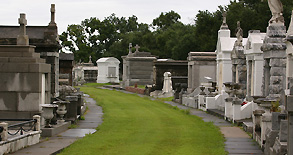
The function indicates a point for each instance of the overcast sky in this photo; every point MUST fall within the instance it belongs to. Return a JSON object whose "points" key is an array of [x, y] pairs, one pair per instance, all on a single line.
{"points": [[74, 11]]}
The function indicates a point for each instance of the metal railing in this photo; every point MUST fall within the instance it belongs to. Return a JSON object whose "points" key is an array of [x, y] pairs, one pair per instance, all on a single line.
{"points": [[24, 125]]}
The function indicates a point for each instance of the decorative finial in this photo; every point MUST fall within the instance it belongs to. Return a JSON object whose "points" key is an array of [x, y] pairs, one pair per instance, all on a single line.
{"points": [[22, 38], [52, 22], [130, 46], [137, 47], [224, 24]]}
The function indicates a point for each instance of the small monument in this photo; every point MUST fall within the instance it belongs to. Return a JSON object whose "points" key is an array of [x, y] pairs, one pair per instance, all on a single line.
{"points": [[167, 90]]}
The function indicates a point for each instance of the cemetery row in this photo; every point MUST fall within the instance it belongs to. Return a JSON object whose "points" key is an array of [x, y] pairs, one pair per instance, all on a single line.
{"points": [[246, 80]]}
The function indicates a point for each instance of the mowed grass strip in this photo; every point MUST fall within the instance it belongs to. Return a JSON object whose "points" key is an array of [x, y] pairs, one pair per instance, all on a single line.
{"points": [[135, 125]]}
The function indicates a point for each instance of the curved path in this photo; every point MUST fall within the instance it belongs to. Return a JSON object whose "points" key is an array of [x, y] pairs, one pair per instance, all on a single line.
{"points": [[52, 145]]}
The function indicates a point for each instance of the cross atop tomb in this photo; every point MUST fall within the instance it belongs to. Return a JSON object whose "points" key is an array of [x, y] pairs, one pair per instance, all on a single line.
{"points": [[137, 47], [52, 22], [224, 24], [22, 38], [130, 46], [22, 22]]}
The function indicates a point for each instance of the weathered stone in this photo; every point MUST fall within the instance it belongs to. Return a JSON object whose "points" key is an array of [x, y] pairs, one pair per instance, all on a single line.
{"points": [[283, 135], [278, 62], [278, 71], [275, 121], [276, 80]]}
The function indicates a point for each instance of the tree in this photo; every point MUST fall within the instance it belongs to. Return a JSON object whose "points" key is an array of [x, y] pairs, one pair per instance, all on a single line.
{"points": [[166, 19], [95, 37]]}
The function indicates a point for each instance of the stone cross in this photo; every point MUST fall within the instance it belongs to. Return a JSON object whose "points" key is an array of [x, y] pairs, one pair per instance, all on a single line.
{"points": [[22, 38], [137, 47], [224, 24], [52, 22], [130, 46]]}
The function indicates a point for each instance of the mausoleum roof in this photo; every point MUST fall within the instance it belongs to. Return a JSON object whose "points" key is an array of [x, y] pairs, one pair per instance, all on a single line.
{"points": [[108, 59]]}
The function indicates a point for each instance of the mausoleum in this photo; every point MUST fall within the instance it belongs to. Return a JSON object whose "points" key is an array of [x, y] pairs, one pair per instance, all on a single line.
{"points": [[108, 70]]}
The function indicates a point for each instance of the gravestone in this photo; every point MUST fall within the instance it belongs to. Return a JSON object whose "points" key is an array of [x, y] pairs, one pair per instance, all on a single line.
{"points": [[24, 80], [108, 70], [138, 68]]}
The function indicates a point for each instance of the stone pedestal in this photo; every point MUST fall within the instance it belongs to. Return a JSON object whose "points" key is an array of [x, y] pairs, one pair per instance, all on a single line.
{"points": [[228, 108], [236, 104], [274, 52]]}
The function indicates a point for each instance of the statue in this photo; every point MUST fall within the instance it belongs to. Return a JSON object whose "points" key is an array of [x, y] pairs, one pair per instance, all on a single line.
{"points": [[276, 8], [224, 23], [239, 34]]}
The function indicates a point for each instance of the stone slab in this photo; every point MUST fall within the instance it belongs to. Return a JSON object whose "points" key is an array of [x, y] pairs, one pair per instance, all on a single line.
{"points": [[77, 132], [56, 129]]}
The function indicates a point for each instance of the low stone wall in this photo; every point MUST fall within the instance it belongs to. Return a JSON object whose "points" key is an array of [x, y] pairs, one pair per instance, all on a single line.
{"points": [[135, 90], [19, 142]]}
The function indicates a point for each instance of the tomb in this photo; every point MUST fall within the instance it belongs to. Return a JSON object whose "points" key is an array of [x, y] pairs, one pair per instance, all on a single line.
{"points": [[108, 70], [137, 68], [66, 61], [224, 49], [177, 68], [45, 40], [85, 73], [25, 78], [254, 62], [201, 67]]}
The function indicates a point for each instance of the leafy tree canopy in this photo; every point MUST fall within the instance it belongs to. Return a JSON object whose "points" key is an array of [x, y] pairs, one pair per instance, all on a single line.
{"points": [[166, 37]]}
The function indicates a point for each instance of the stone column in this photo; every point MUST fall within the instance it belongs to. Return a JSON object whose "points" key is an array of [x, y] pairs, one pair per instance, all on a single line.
{"points": [[274, 52], [4, 133]]}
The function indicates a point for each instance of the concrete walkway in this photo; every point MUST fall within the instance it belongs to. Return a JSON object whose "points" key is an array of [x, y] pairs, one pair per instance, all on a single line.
{"points": [[237, 141], [52, 145]]}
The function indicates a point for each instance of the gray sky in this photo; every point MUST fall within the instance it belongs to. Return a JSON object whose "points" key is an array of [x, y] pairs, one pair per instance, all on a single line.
{"points": [[74, 11]]}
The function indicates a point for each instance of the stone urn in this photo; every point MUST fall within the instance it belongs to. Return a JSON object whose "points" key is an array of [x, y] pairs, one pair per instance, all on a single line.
{"points": [[202, 88], [229, 88], [61, 111], [48, 113]]}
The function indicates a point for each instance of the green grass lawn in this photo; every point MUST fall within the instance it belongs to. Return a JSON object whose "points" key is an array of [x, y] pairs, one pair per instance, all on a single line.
{"points": [[135, 125]]}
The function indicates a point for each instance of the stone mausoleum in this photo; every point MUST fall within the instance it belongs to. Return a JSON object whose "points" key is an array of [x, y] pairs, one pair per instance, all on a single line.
{"points": [[45, 40], [25, 77], [138, 68], [108, 70]]}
